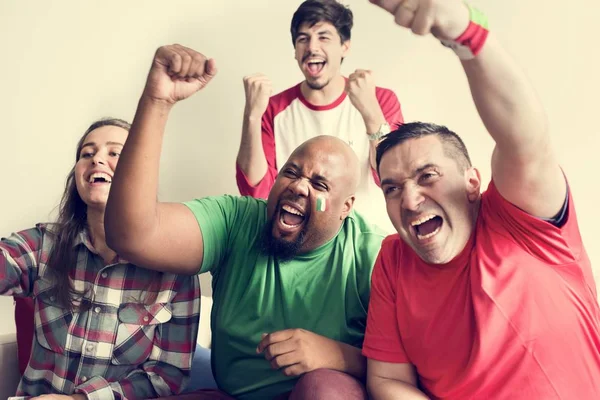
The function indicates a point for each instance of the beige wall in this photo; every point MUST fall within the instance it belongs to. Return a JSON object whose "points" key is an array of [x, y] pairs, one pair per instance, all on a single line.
{"points": [[66, 63]]}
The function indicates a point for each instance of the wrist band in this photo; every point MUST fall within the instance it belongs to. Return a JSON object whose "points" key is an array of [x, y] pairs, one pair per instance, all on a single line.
{"points": [[470, 43]]}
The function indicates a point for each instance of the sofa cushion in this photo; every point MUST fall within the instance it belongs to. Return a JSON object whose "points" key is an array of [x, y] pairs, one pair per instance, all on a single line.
{"points": [[24, 316]]}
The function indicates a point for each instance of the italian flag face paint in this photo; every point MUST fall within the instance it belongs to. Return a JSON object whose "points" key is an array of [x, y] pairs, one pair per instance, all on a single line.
{"points": [[321, 204]]}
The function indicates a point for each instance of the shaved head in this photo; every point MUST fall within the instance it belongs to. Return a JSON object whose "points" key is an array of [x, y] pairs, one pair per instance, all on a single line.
{"points": [[343, 159], [313, 194]]}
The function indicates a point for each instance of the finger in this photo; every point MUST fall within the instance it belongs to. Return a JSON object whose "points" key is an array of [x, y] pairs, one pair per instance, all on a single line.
{"points": [[284, 360], [277, 349], [388, 5], [186, 61], [197, 65], [423, 20], [274, 337], [170, 59], [294, 370], [404, 16]]}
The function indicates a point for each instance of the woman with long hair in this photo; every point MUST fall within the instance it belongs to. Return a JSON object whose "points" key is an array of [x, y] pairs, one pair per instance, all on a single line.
{"points": [[104, 328]]}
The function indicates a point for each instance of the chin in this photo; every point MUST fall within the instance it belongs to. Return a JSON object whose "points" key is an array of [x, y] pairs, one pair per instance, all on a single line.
{"points": [[316, 85]]}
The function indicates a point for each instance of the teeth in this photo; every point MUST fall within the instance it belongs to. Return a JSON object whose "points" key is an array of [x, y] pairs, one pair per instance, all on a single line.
{"points": [[422, 220], [102, 175], [292, 210], [315, 61], [423, 237]]}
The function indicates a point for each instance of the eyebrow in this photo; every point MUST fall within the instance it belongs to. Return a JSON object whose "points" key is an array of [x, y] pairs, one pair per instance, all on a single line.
{"points": [[390, 181], [323, 32], [107, 143]]}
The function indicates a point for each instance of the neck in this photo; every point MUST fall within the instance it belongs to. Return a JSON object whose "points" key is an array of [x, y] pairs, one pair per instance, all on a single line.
{"points": [[95, 221], [327, 94]]}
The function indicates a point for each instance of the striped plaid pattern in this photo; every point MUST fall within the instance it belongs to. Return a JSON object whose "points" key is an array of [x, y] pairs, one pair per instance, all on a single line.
{"points": [[126, 345]]}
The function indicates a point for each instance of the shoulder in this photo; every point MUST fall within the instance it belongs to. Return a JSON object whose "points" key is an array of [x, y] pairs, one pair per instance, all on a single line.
{"points": [[283, 99], [385, 94]]}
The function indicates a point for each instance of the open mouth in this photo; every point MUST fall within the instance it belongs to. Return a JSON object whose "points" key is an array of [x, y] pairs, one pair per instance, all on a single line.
{"points": [[290, 217], [315, 67], [100, 177], [427, 226]]}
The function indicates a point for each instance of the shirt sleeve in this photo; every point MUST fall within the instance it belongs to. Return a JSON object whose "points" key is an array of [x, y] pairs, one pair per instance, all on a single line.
{"points": [[167, 370], [221, 219], [262, 189], [382, 337], [19, 260], [390, 106], [555, 245]]}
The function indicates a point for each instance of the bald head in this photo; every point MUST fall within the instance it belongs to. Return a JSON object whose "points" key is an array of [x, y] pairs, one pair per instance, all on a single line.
{"points": [[339, 156]]}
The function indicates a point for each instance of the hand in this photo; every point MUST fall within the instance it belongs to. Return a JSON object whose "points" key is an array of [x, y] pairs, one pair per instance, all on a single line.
{"points": [[258, 90], [177, 72], [296, 351], [59, 397], [445, 19], [361, 90]]}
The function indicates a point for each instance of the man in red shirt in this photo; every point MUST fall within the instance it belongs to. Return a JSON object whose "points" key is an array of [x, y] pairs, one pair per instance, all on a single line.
{"points": [[481, 295]]}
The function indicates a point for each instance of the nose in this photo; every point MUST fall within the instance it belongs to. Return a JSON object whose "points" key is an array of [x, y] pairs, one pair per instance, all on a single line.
{"points": [[313, 45], [300, 187], [98, 159], [411, 198]]}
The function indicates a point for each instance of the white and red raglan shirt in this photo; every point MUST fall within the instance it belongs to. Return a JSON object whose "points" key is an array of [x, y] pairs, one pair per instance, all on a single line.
{"points": [[290, 120]]}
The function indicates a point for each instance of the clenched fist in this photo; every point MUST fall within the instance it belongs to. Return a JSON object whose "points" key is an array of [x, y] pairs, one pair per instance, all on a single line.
{"points": [[178, 72], [361, 90], [258, 90], [445, 19]]}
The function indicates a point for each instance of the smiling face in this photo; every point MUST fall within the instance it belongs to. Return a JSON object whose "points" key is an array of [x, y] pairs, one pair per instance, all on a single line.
{"points": [[319, 51], [312, 195], [431, 200], [95, 167]]}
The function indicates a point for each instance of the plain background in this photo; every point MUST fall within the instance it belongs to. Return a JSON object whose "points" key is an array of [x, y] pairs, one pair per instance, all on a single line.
{"points": [[67, 63]]}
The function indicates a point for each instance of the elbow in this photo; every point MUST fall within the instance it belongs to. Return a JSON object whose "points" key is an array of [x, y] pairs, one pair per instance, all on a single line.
{"points": [[120, 236]]}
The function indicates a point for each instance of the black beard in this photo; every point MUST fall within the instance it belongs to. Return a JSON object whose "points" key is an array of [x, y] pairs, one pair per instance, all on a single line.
{"points": [[280, 249]]}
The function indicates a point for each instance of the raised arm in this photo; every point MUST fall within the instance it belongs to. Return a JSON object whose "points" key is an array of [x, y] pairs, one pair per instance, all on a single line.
{"points": [[524, 166], [251, 160], [162, 236]]}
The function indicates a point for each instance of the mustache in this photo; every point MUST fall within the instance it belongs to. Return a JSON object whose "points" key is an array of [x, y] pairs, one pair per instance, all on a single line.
{"points": [[309, 55]]}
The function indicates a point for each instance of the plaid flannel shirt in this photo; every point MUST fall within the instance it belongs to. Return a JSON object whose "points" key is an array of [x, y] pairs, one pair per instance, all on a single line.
{"points": [[120, 347]]}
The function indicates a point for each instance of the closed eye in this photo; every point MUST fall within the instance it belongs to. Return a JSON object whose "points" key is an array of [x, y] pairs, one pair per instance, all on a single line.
{"points": [[427, 177], [320, 186], [290, 173], [389, 190]]}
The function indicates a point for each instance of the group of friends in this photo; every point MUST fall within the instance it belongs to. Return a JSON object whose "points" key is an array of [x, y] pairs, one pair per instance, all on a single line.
{"points": [[478, 294]]}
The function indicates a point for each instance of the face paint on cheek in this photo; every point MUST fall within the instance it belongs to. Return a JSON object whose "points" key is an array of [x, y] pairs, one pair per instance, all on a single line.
{"points": [[321, 204]]}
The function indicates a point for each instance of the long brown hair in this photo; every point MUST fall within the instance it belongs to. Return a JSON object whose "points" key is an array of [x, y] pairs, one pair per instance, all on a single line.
{"points": [[72, 220]]}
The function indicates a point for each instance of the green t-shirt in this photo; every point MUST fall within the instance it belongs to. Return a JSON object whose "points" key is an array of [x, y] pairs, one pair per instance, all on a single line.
{"points": [[325, 291]]}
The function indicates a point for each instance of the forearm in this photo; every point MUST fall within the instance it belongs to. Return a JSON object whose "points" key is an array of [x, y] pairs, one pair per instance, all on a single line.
{"points": [[251, 157], [136, 385], [389, 389], [131, 210], [506, 101], [348, 359], [373, 120]]}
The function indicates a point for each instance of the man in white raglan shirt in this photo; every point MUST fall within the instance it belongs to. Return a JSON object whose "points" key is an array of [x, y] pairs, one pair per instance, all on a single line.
{"points": [[325, 103]]}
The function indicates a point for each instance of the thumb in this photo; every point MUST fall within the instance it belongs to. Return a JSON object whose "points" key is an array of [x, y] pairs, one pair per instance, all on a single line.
{"points": [[210, 70]]}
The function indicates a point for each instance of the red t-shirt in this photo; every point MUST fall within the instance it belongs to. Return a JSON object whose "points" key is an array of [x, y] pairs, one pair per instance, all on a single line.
{"points": [[514, 316]]}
